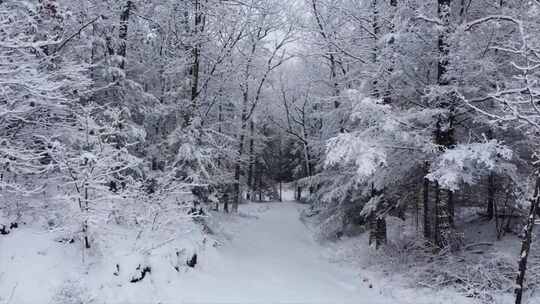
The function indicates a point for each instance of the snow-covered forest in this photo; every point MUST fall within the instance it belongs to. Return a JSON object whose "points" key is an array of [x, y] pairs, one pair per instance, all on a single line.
{"points": [[269, 151]]}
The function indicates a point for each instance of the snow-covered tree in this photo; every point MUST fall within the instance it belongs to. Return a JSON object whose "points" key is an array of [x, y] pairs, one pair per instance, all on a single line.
{"points": [[38, 88], [95, 167]]}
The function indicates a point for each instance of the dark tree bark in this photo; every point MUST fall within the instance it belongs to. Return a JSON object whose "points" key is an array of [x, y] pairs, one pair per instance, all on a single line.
{"points": [[381, 231], [491, 197], [526, 243], [442, 224], [436, 211], [236, 198], [280, 191], [250, 181], [376, 30], [377, 233], [377, 222], [220, 124], [260, 185], [196, 54], [426, 205], [238, 165], [444, 137], [226, 199], [307, 153], [391, 45], [450, 208], [444, 209], [86, 211], [123, 32], [443, 10]]}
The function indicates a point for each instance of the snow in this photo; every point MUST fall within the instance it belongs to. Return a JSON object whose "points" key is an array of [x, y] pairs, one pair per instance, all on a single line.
{"points": [[276, 259], [467, 163], [33, 266], [271, 257], [266, 255], [348, 148]]}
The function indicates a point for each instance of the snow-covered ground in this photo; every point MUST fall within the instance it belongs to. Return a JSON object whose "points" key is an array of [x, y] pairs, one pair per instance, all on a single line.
{"points": [[274, 259], [268, 255]]}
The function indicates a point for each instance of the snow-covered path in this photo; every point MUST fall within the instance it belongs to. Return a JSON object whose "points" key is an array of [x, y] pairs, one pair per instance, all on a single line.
{"points": [[270, 257], [274, 259]]}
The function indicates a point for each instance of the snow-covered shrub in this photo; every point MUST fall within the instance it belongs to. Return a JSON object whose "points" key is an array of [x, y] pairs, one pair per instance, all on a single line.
{"points": [[481, 277], [331, 225], [476, 272]]}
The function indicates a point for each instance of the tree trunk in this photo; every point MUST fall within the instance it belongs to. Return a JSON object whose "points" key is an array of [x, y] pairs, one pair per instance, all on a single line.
{"points": [[250, 180], [237, 196], [372, 224], [259, 175], [307, 155], [443, 228], [427, 211], [377, 232], [526, 243], [196, 54], [450, 208], [381, 231], [437, 210], [220, 125], [376, 30], [391, 45], [238, 166], [280, 170], [86, 211], [123, 33], [377, 224], [226, 199], [280, 191], [443, 10], [491, 197]]}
